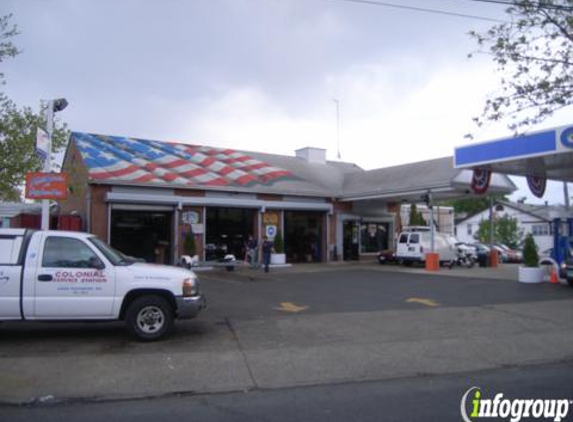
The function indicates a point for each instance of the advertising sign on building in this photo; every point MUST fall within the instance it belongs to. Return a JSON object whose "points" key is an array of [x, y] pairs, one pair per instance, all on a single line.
{"points": [[271, 218], [271, 231], [46, 185]]}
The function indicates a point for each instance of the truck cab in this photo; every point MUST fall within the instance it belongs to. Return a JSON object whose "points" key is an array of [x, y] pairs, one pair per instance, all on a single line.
{"points": [[58, 275]]}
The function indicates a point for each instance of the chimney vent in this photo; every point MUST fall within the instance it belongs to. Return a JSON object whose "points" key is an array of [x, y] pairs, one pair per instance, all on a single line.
{"points": [[312, 155]]}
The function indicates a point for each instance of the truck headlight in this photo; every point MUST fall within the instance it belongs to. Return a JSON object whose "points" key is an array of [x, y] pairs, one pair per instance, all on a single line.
{"points": [[190, 287]]}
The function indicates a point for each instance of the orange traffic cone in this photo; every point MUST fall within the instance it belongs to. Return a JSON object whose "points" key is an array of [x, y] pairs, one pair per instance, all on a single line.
{"points": [[554, 278]]}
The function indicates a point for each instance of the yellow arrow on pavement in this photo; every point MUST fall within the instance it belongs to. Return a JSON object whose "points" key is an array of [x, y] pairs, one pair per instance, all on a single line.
{"points": [[423, 301], [290, 307]]}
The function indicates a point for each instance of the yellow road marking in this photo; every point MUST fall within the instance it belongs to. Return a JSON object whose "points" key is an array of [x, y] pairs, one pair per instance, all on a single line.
{"points": [[290, 307], [423, 301]]}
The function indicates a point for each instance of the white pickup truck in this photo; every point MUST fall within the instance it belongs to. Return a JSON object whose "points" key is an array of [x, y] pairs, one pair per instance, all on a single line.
{"points": [[73, 276]]}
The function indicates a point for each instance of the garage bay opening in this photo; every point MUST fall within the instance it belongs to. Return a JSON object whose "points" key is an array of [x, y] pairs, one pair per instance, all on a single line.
{"points": [[143, 234], [304, 236], [227, 232]]}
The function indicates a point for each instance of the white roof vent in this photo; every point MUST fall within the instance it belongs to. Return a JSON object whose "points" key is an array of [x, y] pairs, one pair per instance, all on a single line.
{"points": [[312, 155]]}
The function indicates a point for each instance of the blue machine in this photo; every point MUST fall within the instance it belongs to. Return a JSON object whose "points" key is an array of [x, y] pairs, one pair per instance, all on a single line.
{"points": [[562, 240]]}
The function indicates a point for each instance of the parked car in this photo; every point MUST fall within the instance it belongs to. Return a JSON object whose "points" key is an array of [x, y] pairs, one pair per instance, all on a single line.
{"points": [[566, 268], [414, 244], [513, 256], [501, 253], [387, 256], [569, 269]]}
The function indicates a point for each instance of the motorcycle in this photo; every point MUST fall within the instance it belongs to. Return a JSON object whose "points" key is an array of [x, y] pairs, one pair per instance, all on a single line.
{"points": [[463, 258]]}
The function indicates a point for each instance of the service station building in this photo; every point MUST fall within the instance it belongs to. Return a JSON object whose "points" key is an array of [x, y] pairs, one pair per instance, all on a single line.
{"points": [[144, 197]]}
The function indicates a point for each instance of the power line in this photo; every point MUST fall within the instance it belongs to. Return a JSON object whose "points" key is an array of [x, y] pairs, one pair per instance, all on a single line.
{"points": [[422, 9], [537, 5]]}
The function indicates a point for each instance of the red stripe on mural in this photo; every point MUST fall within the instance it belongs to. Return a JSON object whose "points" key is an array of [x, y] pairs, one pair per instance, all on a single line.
{"points": [[193, 173], [175, 163], [243, 180], [216, 182], [253, 167], [146, 178], [226, 170]]}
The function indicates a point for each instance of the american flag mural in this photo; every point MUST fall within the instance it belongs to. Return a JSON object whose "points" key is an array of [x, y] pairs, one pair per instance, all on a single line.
{"points": [[113, 158]]}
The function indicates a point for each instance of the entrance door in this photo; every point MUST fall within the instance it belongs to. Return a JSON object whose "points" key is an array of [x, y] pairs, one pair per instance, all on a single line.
{"points": [[143, 234], [350, 241], [303, 235]]}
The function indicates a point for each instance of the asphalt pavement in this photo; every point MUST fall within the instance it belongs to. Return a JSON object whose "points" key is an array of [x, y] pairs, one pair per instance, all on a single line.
{"points": [[298, 327]]}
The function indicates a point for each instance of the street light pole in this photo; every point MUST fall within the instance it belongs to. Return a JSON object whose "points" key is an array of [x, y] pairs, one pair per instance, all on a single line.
{"points": [[53, 106]]}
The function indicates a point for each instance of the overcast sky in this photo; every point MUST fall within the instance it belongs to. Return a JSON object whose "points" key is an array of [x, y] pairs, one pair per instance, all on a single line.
{"points": [[261, 75]]}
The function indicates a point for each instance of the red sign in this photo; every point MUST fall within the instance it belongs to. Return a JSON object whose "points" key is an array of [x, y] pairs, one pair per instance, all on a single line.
{"points": [[46, 185]]}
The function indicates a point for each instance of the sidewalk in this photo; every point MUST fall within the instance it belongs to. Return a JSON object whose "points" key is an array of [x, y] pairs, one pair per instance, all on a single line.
{"points": [[502, 272]]}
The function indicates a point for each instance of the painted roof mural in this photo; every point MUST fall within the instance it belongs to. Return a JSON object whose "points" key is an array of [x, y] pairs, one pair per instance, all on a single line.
{"points": [[145, 161]]}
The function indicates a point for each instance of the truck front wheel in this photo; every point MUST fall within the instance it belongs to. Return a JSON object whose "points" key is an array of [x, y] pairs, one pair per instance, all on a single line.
{"points": [[149, 318]]}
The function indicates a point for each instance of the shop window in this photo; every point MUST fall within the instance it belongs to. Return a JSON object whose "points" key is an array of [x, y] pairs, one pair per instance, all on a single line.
{"points": [[540, 230], [373, 237]]}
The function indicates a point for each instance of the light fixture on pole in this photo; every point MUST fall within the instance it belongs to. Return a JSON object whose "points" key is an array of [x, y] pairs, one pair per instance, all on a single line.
{"points": [[52, 107]]}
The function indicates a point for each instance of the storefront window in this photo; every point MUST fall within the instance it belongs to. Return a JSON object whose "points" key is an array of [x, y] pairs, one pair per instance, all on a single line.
{"points": [[373, 237]]}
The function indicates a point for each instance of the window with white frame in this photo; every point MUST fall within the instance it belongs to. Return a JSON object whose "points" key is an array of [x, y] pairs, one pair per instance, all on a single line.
{"points": [[540, 230], [470, 229]]}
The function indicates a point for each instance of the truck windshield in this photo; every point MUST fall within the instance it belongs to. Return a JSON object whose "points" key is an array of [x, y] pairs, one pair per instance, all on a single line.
{"points": [[115, 257]]}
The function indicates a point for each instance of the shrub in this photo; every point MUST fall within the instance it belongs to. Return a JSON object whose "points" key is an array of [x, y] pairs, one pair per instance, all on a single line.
{"points": [[530, 256], [189, 245], [278, 242]]}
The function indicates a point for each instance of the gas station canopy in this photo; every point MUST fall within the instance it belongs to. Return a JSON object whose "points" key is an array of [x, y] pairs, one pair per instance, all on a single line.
{"points": [[547, 154]]}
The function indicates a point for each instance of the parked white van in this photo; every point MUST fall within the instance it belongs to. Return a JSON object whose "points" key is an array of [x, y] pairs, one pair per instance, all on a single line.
{"points": [[414, 243]]}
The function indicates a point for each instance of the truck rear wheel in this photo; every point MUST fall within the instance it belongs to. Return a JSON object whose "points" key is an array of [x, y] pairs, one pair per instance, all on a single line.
{"points": [[149, 318]]}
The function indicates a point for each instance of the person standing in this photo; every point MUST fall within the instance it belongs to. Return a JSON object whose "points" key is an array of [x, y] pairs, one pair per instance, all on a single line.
{"points": [[252, 251], [267, 251]]}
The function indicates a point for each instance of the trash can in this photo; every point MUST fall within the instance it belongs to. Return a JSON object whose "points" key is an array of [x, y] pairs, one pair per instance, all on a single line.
{"points": [[483, 260]]}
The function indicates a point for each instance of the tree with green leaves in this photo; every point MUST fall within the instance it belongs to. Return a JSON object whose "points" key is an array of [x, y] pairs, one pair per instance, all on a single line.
{"points": [[18, 128], [416, 218], [505, 231], [189, 245], [278, 242], [533, 51], [471, 206], [530, 255]]}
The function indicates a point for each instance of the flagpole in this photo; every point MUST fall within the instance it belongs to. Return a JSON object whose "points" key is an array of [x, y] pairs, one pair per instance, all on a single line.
{"points": [[337, 126]]}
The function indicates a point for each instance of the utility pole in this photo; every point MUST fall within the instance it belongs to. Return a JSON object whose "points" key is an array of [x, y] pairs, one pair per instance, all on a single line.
{"points": [[337, 125], [53, 106]]}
